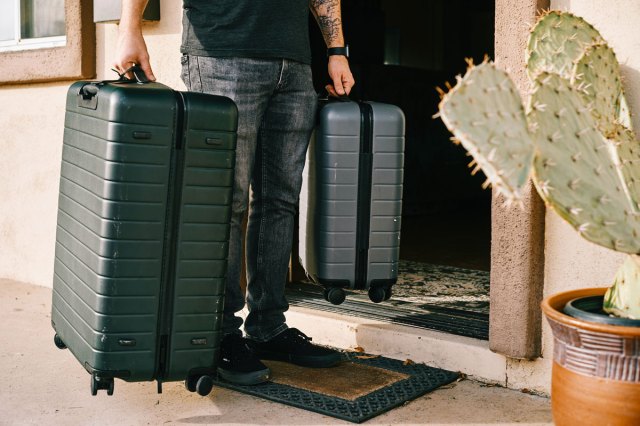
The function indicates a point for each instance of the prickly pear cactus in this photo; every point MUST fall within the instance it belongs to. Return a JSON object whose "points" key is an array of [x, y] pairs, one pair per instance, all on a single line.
{"points": [[574, 169], [575, 140], [626, 155], [485, 114], [597, 74], [557, 41], [623, 298]]}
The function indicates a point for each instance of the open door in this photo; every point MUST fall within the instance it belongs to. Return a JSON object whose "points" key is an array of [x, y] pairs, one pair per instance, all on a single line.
{"points": [[400, 51]]}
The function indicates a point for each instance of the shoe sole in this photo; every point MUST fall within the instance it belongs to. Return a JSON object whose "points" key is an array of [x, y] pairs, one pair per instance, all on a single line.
{"points": [[325, 361], [245, 379]]}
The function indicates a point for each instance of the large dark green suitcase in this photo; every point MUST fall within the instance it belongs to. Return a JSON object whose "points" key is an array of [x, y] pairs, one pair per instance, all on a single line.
{"points": [[143, 230]]}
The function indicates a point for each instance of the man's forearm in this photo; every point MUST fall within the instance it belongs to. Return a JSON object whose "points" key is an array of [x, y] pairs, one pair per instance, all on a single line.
{"points": [[131, 17], [132, 48], [327, 14]]}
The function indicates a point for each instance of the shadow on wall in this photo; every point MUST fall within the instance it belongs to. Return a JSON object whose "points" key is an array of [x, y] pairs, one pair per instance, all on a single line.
{"points": [[631, 81]]}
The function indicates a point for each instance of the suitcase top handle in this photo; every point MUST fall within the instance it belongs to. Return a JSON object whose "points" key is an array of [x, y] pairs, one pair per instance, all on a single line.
{"points": [[324, 97], [138, 75], [87, 95]]}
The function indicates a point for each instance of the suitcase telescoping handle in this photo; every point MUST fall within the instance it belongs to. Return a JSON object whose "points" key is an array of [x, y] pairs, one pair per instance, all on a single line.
{"points": [[87, 96]]}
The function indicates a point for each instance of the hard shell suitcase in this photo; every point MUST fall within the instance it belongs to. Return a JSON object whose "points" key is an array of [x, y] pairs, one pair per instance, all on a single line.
{"points": [[143, 228], [351, 199]]}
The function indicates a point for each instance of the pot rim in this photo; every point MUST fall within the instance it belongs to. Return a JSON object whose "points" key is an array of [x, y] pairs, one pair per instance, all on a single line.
{"points": [[552, 307]]}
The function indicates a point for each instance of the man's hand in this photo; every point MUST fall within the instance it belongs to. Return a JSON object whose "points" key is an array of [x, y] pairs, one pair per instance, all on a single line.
{"points": [[341, 76], [132, 50], [131, 46]]}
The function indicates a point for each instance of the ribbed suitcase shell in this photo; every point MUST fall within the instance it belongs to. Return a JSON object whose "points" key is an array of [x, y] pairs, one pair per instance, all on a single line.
{"points": [[143, 228], [336, 188]]}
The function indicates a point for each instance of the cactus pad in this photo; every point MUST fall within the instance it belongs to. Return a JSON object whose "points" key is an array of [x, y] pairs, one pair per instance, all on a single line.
{"points": [[557, 41], [484, 111], [627, 158], [574, 169], [597, 74], [623, 298]]}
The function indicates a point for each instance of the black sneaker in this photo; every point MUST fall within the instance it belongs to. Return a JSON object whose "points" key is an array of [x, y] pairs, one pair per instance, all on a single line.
{"points": [[238, 363], [295, 347]]}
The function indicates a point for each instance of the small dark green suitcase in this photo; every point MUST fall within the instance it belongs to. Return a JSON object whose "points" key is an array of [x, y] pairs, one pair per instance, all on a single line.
{"points": [[143, 230]]}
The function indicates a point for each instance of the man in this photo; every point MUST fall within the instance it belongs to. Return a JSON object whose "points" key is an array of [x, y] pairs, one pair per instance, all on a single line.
{"points": [[257, 53]]}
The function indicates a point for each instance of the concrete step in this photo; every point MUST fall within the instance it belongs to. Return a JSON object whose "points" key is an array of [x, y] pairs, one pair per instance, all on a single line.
{"points": [[456, 353]]}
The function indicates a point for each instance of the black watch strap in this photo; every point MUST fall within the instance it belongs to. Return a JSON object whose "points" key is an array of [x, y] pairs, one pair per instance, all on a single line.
{"points": [[344, 51]]}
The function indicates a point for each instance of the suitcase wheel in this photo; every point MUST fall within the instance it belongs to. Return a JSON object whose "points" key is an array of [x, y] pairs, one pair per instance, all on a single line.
{"points": [[200, 384], [378, 294], [59, 343], [191, 382], [335, 295], [204, 385], [387, 293], [98, 383]]}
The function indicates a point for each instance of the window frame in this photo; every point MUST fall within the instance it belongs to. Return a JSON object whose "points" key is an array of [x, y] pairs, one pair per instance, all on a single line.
{"points": [[32, 43], [51, 58], [18, 43]]}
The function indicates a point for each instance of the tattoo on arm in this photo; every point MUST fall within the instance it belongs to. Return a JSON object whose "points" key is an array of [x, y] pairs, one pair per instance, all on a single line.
{"points": [[327, 14]]}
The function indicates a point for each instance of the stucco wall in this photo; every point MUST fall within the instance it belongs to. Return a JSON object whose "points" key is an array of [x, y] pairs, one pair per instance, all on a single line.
{"points": [[31, 123], [517, 239], [31, 128]]}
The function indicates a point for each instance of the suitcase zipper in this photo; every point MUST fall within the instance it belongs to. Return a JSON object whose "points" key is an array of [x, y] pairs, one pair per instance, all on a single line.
{"points": [[167, 283], [365, 172]]}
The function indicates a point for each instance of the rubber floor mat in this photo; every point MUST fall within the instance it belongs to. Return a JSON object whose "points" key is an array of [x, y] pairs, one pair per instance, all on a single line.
{"points": [[357, 390]]}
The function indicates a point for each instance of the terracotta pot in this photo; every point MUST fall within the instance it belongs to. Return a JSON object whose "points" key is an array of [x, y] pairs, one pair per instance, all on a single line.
{"points": [[596, 367]]}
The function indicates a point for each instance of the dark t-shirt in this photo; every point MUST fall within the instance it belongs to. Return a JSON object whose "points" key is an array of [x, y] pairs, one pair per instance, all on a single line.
{"points": [[247, 28]]}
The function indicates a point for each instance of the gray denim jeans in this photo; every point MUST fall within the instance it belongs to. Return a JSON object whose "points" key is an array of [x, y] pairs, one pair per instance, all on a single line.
{"points": [[277, 104]]}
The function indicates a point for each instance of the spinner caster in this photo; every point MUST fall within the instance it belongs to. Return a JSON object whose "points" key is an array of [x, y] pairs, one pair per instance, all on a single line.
{"points": [[387, 293], [58, 342], [98, 383], [335, 295], [204, 385], [191, 382], [377, 294], [200, 384]]}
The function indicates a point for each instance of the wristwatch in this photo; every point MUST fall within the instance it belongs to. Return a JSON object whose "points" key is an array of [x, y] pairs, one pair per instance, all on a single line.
{"points": [[344, 51]]}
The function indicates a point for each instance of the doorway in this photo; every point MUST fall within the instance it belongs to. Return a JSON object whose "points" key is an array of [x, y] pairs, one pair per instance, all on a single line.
{"points": [[400, 51]]}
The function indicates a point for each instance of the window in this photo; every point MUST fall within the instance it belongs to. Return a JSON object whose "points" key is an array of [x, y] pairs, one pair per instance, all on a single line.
{"points": [[46, 40], [31, 24]]}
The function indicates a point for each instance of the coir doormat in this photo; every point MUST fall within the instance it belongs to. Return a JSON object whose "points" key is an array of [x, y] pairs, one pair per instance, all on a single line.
{"points": [[359, 389]]}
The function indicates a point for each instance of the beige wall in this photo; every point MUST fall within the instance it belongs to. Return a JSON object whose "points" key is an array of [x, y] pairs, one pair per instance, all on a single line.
{"points": [[31, 128], [31, 120]]}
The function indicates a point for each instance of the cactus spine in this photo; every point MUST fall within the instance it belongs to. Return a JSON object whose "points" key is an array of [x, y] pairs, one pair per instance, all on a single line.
{"points": [[486, 115], [574, 140], [557, 41]]}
